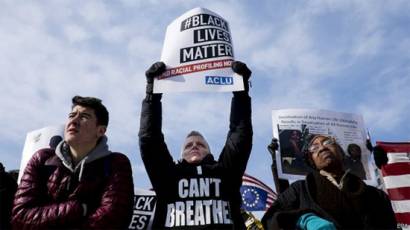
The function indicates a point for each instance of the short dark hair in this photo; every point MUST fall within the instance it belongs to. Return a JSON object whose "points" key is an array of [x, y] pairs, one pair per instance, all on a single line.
{"points": [[94, 103], [195, 133], [352, 146]]}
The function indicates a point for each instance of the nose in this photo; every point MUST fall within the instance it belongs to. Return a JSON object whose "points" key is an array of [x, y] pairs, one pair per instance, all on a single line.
{"points": [[322, 148], [74, 119]]}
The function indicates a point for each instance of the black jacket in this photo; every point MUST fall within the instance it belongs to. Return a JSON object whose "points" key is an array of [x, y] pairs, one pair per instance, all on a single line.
{"points": [[199, 196], [8, 187], [355, 206]]}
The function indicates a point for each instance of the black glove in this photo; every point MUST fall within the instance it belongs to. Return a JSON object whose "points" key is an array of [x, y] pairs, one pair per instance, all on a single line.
{"points": [[273, 146], [380, 156], [243, 70], [155, 70]]}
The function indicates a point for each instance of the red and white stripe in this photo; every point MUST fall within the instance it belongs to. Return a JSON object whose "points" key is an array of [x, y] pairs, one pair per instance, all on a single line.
{"points": [[396, 177], [252, 181]]}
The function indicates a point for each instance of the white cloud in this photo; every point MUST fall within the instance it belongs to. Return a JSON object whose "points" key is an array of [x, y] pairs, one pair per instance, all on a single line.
{"points": [[303, 55], [95, 13], [75, 33]]}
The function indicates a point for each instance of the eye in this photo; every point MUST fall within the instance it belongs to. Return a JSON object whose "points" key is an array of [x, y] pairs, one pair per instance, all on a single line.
{"points": [[83, 117], [71, 115], [313, 148], [328, 142], [188, 145]]}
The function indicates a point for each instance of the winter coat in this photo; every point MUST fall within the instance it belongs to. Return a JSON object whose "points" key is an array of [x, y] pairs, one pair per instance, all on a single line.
{"points": [[197, 196], [355, 206], [52, 191], [8, 187]]}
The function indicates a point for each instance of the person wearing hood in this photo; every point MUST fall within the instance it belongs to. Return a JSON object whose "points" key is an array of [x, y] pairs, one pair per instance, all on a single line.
{"points": [[329, 197], [80, 184], [197, 192]]}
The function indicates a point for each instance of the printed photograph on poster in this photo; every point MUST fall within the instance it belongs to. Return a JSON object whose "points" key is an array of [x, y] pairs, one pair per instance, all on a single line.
{"points": [[198, 53], [294, 128]]}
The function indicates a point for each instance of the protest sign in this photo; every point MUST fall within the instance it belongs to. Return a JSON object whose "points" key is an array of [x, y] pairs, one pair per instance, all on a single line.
{"points": [[198, 52], [35, 140], [396, 178], [144, 209], [292, 126]]}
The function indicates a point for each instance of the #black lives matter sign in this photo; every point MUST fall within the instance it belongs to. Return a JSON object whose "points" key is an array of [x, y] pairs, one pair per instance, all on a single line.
{"points": [[144, 209], [198, 52]]}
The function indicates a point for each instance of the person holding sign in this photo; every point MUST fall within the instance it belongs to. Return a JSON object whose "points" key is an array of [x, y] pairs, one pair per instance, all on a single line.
{"points": [[80, 184], [198, 191], [329, 197]]}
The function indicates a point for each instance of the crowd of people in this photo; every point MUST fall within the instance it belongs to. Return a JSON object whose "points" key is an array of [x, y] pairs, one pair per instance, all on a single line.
{"points": [[81, 184]]}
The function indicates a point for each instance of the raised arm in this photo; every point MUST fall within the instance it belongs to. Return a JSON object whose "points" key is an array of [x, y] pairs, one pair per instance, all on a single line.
{"points": [[154, 151], [237, 149]]}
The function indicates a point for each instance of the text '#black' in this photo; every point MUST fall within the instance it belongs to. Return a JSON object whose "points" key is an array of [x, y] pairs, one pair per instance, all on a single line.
{"points": [[213, 50], [204, 20], [211, 34]]}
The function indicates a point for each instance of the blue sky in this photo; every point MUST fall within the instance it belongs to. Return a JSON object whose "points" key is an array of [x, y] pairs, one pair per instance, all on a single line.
{"points": [[347, 56]]}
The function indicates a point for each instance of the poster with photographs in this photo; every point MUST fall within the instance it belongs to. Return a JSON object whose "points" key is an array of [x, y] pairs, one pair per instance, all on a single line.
{"points": [[293, 127]]}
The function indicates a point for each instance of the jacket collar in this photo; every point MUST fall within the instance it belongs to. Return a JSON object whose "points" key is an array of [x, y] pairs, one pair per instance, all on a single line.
{"points": [[208, 159]]}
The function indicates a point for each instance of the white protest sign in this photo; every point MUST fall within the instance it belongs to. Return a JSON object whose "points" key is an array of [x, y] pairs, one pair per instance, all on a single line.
{"points": [[38, 139], [291, 126], [144, 209], [198, 52]]}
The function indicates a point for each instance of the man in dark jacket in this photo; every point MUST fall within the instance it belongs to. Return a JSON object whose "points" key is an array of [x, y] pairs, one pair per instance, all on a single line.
{"points": [[198, 192], [8, 187], [80, 184], [329, 197]]}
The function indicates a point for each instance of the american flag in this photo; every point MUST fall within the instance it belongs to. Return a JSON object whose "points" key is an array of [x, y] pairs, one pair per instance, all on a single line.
{"points": [[256, 196], [396, 177]]}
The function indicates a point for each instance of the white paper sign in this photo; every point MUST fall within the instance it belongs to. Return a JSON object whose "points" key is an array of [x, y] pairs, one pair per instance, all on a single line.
{"points": [[198, 52], [291, 125], [38, 139], [144, 209]]}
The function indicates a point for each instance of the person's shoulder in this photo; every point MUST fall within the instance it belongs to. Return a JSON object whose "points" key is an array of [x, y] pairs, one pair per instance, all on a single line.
{"points": [[118, 155], [373, 191], [42, 155], [119, 158], [298, 184]]}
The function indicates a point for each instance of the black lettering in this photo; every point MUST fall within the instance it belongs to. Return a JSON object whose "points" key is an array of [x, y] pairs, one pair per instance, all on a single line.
{"points": [[211, 34], [214, 50], [139, 221], [201, 20]]}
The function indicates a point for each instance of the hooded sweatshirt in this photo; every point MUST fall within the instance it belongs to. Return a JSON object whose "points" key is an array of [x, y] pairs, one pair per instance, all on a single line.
{"points": [[203, 195], [96, 193]]}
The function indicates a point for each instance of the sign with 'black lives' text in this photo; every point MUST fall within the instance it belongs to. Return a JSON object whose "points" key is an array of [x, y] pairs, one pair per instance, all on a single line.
{"points": [[144, 209], [198, 52]]}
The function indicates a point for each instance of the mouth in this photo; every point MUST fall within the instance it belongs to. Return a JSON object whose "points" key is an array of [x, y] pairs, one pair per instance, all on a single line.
{"points": [[326, 155], [72, 130]]}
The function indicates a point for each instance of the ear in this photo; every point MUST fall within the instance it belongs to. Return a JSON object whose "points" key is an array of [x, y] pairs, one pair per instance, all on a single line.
{"points": [[101, 129]]}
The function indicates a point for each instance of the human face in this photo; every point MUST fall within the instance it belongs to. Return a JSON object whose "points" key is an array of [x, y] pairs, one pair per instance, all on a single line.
{"points": [[325, 153], [295, 135], [195, 149], [354, 151], [81, 128]]}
